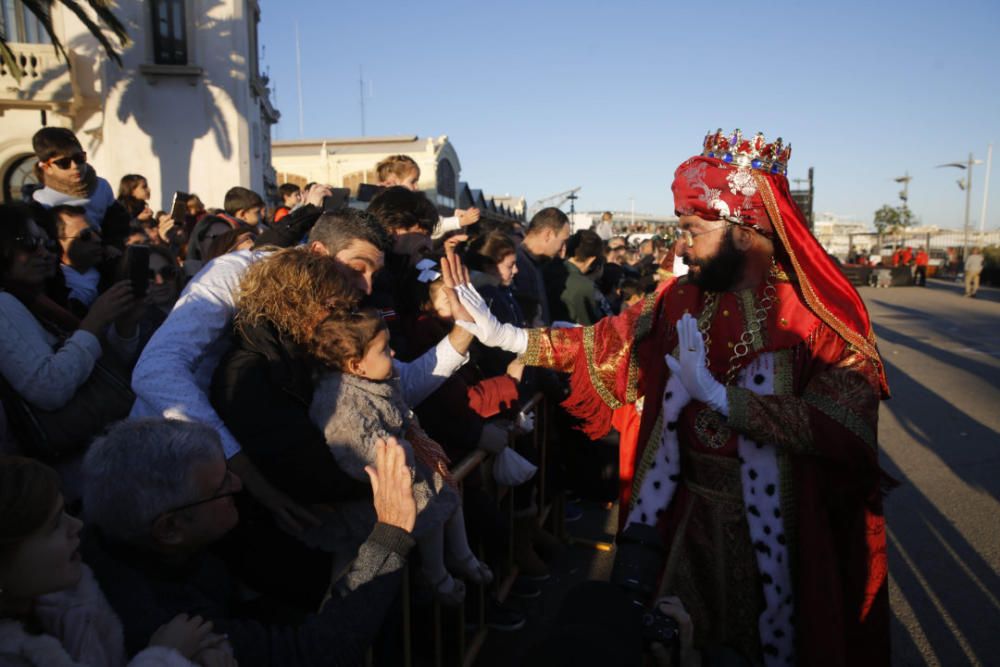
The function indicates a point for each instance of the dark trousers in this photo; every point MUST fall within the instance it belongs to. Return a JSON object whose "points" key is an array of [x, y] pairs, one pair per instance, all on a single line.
{"points": [[921, 276]]}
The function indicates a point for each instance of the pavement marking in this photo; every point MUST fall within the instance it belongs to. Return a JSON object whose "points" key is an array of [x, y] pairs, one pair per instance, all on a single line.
{"points": [[961, 563], [942, 611]]}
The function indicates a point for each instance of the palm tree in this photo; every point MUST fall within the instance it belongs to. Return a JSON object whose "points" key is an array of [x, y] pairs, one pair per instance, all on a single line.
{"points": [[42, 10]]}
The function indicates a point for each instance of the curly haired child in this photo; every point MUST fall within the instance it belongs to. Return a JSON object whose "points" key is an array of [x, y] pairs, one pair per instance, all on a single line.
{"points": [[359, 401]]}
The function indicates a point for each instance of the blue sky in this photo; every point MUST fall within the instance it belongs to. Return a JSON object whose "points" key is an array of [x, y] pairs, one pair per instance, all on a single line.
{"points": [[538, 97]]}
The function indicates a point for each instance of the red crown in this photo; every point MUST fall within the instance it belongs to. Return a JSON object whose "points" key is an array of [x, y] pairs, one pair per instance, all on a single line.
{"points": [[755, 153]]}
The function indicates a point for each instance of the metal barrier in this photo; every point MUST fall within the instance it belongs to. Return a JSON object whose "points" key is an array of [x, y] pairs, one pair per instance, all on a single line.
{"points": [[466, 644]]}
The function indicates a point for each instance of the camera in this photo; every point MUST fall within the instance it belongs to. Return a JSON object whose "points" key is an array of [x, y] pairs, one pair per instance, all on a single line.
{"points": [[639, 558]]}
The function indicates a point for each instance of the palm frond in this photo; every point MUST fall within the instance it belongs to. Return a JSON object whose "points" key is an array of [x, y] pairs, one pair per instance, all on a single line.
{"points": [[104, 14], [9, 59], [42, 10], [96, 30]]}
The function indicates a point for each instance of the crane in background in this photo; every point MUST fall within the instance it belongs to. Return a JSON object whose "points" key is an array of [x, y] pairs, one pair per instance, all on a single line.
{"points": [[556, 200]]}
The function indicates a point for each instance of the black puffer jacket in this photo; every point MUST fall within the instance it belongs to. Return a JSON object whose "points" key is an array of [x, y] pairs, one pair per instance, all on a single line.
{"points": [[262, 390]]}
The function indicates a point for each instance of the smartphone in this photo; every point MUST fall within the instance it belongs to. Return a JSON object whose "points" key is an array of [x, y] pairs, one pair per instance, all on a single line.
{"points": [[178, 209], [337, 199], [137, 268]]}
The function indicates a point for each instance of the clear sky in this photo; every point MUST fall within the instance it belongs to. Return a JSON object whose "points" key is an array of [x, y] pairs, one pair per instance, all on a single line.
{"points": [[538, 97]]}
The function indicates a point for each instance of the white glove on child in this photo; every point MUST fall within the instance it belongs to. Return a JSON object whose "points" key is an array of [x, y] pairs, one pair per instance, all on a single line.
{"points": [[691, 368], [487, 328]]}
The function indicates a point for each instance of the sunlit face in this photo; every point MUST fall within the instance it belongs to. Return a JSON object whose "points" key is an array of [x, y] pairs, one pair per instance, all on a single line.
{"points": [[554, 243], [69, 167], [46, 561], [293, 200], [408, 180], [360, 261], [507, 269], [141, 191], [377, 362], [251, 216], [699, 241]]}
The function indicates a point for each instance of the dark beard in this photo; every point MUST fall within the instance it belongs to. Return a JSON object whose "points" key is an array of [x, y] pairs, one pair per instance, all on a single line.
{"points": [[721, 272]]}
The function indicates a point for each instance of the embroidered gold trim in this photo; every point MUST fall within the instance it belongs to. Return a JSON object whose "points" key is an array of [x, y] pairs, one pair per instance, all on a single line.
{"points": [[842, 415], [652, 447], [602, 391], [789, 516], [748, 306], [782, 372], [532, 352], [711, 429], [643, 326], [865, 343]]}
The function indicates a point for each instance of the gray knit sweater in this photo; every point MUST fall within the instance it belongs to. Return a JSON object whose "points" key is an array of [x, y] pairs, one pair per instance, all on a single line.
{"points": [[352, 412]]}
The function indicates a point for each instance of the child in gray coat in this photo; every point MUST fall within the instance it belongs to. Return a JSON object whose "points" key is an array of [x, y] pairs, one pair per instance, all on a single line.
{"points": [[360, 400]]}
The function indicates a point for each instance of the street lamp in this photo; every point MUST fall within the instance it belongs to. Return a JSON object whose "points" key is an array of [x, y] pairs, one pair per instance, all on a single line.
{"points": [[965, 184]]}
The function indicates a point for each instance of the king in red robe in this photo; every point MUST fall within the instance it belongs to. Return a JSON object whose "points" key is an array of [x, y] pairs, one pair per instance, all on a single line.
{"points": [[766, 485]]}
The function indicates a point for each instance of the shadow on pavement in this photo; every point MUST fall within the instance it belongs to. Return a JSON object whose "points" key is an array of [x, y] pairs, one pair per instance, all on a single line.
{"points": [[985, 371], [952, 593]]}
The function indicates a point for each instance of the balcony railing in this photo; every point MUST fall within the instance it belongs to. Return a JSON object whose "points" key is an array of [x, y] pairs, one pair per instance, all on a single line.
{"points": [[45, 82]]}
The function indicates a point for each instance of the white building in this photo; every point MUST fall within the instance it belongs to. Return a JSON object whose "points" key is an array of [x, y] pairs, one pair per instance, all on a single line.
{"points": [[835, 233], [188, 109], [350, 162]]}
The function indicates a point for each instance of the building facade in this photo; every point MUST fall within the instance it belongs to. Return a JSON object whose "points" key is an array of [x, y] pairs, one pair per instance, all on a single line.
{"points": [[350, 162], [188, 109]]}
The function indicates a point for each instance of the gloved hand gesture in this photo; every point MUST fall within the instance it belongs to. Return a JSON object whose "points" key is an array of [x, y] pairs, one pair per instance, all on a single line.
{"points": [[487, 328], [692, 370]]}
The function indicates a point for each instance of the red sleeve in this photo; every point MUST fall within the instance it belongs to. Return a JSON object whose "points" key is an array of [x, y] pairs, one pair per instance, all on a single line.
{"points": [[493, 395]]}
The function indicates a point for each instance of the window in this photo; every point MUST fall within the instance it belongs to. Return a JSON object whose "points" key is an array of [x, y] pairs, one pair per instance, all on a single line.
{"points": [[169, 32], [19, 25], [253, 18]]}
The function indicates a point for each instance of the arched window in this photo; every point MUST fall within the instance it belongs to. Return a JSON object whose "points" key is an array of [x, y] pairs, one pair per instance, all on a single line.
{"points": [[20, 174]]}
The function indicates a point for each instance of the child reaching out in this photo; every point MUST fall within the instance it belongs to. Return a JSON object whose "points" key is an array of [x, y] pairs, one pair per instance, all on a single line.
{"points": [[359, 401]]}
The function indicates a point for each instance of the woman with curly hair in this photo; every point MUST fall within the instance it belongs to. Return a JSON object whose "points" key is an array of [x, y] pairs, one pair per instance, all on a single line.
{"points": [[262, 390]]}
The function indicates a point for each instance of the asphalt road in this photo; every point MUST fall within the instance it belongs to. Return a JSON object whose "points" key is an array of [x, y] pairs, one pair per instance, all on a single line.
{"points": [[940, 437]]}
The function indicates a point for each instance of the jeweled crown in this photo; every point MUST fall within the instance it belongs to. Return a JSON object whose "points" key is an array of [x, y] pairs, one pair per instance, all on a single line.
{"points": [[754, 152]]}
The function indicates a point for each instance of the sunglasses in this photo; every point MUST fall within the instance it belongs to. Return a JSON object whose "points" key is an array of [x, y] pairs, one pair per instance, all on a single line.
{"points": [[168, 273], [32, 243], [64, 162], [615, 248], [85, 235]]}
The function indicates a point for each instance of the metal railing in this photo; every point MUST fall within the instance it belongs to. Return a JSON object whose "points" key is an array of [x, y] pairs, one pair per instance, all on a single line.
{"points": [[452, 642]]}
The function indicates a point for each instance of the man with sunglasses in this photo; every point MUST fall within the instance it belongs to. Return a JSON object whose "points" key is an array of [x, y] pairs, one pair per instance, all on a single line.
{"points": [[68, 178], [159, 498], [81, 252]]}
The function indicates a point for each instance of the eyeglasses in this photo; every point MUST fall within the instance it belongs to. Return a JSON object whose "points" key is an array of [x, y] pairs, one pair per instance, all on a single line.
{"points": [[227, 483], [687, 236], [168, 273], [64, 162], [85, 235], [33, 243], [615, 248]]}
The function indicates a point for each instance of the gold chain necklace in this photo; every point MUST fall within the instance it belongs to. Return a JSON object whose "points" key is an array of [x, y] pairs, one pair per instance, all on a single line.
{"points": [[753, 328]]}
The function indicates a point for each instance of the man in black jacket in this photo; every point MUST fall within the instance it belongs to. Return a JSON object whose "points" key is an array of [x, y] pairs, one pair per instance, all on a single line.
{"points": [[158, 495]]}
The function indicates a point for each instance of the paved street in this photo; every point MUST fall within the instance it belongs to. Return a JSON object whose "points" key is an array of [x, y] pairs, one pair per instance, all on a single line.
{"points": [[940, 436]]}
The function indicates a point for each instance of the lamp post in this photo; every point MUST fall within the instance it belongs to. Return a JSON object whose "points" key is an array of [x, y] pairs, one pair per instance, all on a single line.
{"points": [[965, 184]]}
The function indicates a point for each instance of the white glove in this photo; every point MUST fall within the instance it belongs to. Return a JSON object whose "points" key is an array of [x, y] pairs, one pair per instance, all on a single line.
{"points": [[525, 422], [487, 328], [691, 368]]}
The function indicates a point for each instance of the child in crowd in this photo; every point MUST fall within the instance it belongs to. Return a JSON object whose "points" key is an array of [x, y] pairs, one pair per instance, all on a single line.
{"points": [[402, 170], [62, 167], [291, 196], [134, 185], [361, 401]]}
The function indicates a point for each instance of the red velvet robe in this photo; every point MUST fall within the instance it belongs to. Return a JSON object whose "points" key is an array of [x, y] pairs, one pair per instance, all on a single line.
{"points": [[825, 431]]}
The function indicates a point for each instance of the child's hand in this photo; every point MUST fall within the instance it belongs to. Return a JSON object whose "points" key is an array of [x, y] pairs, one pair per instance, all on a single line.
{"points": [[466, 217], [392, 485]]}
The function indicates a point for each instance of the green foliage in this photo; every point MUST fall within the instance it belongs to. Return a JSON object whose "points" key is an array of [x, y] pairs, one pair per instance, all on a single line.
{"points": [[889, 219]]}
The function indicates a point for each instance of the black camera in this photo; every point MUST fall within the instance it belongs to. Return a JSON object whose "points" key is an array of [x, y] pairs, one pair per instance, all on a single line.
{"points": [[639, 558]]}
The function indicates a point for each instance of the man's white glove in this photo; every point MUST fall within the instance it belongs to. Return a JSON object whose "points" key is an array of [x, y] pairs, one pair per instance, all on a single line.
{"points": [[525, 422], [691, 368], [487, 328]]}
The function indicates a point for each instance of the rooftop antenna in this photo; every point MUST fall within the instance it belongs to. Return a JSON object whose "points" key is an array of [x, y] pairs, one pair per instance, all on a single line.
{"points": [[298, 80]]}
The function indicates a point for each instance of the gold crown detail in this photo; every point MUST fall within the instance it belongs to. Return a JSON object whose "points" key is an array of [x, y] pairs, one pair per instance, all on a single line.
{"points": [[754, 152]]}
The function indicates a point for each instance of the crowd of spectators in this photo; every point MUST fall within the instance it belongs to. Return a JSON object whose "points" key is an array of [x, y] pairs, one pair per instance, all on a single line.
{"points": [[191, 449]]}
